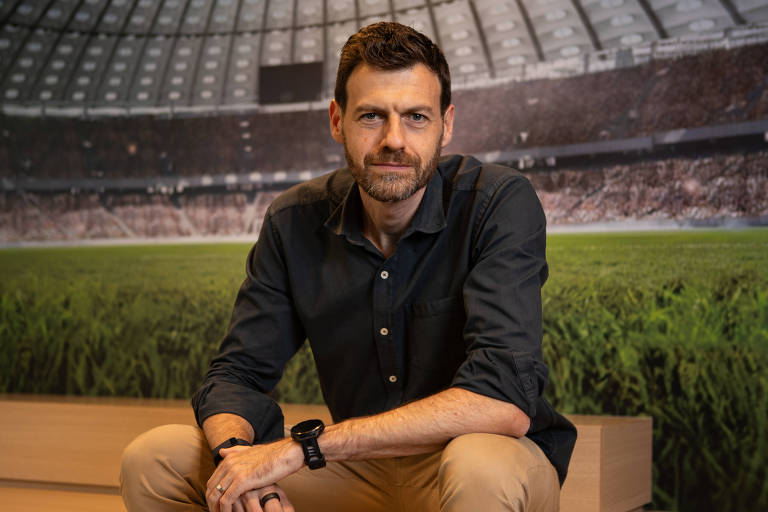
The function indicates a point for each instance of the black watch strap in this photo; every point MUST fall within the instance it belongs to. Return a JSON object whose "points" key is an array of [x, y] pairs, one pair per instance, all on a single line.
{"points": [[229, 443], [306, 434], [313, 457]]}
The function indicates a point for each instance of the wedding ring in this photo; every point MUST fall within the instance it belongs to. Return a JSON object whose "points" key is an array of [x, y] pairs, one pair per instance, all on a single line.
{"points": [[271, 496]]}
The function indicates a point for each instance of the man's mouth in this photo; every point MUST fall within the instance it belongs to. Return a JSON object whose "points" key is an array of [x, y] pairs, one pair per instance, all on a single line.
{"points": [[391, 161], [392, 165]]}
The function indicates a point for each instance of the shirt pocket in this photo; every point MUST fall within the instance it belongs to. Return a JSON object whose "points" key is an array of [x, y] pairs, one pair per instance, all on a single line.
{"points": [[435, 342], [437, 307]]}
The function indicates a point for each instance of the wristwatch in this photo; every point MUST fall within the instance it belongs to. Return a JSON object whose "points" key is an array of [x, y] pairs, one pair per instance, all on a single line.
{"points": [[306, 433], [229, 443]]}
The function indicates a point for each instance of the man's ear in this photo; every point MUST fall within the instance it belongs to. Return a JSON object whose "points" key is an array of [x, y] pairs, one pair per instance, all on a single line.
{"points": [[336, 114], [447, 126]]}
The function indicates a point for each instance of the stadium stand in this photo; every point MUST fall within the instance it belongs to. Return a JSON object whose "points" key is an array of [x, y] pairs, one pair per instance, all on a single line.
{"points": [[143, 146], [134, 119], [230, 214], [67, 216], [731, 86], [683, 189], [694, 189]]}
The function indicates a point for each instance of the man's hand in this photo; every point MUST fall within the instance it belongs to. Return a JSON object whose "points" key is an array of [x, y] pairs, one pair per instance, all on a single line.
{"points": [[250, 501], [252, 468]]}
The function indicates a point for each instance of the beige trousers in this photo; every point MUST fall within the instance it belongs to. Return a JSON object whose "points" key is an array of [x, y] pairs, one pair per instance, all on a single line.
{"points": [[167, 468]]}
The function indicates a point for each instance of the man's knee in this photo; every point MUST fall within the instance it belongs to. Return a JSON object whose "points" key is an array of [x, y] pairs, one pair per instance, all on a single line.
{"points": [[501, 472], [168, 451], [475, 460]]}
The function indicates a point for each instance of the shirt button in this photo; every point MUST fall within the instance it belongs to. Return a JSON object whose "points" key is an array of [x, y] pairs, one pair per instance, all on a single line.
{"points": [[384, 274], [384, 331], [393, 378]]}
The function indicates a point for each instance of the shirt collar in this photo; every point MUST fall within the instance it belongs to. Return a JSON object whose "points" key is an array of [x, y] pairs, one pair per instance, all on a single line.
{"points": [[346, 218]]}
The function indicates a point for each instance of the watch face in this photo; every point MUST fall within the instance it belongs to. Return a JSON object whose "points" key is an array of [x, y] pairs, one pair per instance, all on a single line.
{"points": [[307, 429]]}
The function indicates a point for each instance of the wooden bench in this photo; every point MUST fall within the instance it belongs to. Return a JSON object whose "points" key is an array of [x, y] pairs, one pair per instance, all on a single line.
{"points": [[63, 453]]}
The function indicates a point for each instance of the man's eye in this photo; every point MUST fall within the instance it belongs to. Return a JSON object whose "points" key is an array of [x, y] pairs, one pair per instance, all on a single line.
{"points": [[369, 116], [417, 117]]}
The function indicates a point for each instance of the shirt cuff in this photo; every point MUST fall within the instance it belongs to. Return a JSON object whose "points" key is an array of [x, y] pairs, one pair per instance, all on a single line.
{"points": [[488, 372], [258, 409]]}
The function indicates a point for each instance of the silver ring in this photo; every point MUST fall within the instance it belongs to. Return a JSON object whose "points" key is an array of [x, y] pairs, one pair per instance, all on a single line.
{"points": [[220, 488]]}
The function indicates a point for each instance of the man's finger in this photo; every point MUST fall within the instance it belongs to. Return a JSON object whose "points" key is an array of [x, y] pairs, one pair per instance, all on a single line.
{"points": [[238, 506], [273, 504], [212, 499], [213, 496], [227, 500], [284, 502], [250, 501], [216, 480], [210, 488], [233, 491], [232, 449], [221, 478]]}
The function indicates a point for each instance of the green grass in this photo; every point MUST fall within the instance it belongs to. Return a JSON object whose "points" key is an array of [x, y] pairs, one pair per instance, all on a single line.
{"points": [[673, 325], [643, 259], [161, 267], [650, 259]]}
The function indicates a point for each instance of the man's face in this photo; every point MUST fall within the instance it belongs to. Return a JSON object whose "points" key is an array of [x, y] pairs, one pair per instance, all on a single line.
{"points": [[392, 129]]}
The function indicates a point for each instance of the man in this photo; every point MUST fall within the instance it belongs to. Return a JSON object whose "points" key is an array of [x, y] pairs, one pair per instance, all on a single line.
{"points": [[417, 281]]}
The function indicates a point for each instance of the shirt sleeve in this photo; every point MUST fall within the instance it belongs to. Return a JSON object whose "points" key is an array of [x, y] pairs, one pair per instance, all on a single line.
{"points": [[263, 334], [502, 298]]}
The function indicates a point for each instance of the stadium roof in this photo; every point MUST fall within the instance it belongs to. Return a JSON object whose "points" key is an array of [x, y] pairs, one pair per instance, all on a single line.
{"points": [[207, 53]]}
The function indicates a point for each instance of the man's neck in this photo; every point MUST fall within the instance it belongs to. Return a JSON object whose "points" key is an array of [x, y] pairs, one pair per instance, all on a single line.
{"points": [[385, 223]]}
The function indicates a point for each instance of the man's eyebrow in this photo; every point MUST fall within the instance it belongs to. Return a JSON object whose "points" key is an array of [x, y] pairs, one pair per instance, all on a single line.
{"points": [[367, 108], [373, 108], [421, 108]]}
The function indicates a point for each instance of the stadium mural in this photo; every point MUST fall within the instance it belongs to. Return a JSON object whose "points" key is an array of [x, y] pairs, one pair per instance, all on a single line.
{"points": [[129, 122]]}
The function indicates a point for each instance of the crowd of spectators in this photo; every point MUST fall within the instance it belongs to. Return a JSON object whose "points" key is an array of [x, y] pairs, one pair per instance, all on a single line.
{"points": [[705, 89], [147, 146], [66, 216], [698, 90], [230, 214], [55, 217], [717, 188]]}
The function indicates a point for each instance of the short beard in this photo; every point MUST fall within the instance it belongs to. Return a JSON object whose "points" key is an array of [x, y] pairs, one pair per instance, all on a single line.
{"points": [[393, 186]]}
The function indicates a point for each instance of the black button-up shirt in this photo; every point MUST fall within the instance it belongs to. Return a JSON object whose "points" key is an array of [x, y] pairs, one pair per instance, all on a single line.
{"points": [[457, 304]]}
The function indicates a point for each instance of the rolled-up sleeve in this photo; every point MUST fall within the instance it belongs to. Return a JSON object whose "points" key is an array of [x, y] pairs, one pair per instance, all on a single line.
{"points": [[502, 298], [263, 334]]}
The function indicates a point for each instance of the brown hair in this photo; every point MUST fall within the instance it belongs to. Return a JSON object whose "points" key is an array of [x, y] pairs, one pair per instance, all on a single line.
{"points": [[390, 46]]}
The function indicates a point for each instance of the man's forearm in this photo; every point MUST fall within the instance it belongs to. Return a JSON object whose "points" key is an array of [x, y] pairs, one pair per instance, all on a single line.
{"points": [[419, 427], [422, 426], [220, 427]]}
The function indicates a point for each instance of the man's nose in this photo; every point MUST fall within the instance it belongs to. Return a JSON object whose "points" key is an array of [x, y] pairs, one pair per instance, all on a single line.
{"points": [[393, 136]]}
